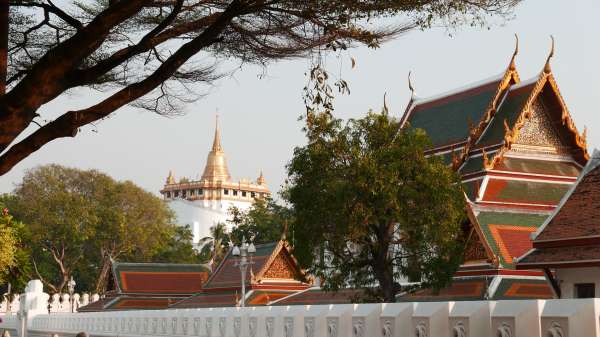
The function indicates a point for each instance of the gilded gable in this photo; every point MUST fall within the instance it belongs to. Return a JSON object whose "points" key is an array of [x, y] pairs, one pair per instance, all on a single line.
{"points": [[281, 268], [538, 129]]}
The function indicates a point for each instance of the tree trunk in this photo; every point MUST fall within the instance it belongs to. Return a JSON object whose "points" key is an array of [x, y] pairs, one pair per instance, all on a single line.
{"points": [[101, 282], [384, 269], [3, 45]]}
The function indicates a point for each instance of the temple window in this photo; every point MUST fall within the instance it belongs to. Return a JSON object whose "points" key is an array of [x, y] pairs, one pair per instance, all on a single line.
{"points": [[226, 191], [252, 194], [176, 194], [200, 191], [585, 290], [183, 193], [235, 192], [168, 194], [191, 193], [243, 193]]}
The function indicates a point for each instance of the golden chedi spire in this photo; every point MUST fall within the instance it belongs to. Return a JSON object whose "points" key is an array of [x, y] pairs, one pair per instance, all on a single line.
{"points": [[261, 179], [170, 178], [216, 165]]}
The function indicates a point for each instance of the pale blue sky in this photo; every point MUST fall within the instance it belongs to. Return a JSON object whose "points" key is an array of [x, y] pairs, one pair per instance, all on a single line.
{"points": [[259, 115]]}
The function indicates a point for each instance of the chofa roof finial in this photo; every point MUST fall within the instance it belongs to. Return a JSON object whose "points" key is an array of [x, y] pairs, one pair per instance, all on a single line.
{"points": [[410, 86], [547, 66], [512, 65]]}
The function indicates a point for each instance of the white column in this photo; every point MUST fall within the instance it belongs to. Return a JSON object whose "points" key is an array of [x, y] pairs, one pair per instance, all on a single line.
{"points": [[516, 318], [569, 318]]}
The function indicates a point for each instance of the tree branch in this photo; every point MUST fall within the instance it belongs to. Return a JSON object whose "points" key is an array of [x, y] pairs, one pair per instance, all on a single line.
{"points": [[68, 124]]}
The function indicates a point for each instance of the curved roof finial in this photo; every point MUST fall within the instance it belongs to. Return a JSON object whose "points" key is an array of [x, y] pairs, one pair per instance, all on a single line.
{"points": [[547, 66], [410, 86], [512, 65]]}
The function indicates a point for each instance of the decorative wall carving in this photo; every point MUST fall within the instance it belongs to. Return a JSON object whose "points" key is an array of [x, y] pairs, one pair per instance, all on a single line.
{"points": [[332, 327], [288, 327], [555, 330], [459, 330], [252, 325], [222, 326], [269, 326], [387, 327], [309, 327], [237, 326], [504, 330], [421, 329], [358, 327]]}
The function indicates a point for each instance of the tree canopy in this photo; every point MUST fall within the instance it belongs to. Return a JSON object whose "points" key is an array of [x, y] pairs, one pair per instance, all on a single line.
{"points": [[373, 208], [78, 220], [147, 52], [265, 221]]}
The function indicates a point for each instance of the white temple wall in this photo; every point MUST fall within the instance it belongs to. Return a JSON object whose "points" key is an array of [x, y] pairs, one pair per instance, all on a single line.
{"points": [[568, 277], [201, 215], [514, 318]]}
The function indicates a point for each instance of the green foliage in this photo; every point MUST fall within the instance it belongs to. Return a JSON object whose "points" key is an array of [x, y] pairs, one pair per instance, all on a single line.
{"points": [[79, 219], [9, 236], [179, 248], [264, 222], [372, 207], [214, 247]]}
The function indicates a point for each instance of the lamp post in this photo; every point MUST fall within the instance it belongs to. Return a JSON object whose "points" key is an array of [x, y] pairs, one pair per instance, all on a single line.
{"points": [[244, 251], [71, 287]]}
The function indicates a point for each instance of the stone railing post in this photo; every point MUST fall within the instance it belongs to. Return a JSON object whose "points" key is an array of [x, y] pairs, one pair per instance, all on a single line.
{"points": [[516, 318], [396, 319], [430, 319], [569, 318], [470, 319], [32, 303]]}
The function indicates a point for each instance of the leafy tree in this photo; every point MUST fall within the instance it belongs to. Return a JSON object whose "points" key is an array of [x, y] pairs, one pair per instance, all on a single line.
{"points": [[179, 248], [265, 221], [372, 207], [79, 219], [142, 52], [19, 273], [9, 254], [214, 247]]}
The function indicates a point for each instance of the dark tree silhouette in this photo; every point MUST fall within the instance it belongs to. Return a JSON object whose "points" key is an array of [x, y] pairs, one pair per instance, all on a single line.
{"points": [[138, 50]]}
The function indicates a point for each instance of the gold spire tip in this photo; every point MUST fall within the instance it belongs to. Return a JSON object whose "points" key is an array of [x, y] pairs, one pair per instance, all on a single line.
{"points": [[410, 86], [512, 65], [547, 68]]}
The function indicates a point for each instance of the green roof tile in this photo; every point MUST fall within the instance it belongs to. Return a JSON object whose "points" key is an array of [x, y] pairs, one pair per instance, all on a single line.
{"points": [[446, 120], [509, 110], [488, 219]]}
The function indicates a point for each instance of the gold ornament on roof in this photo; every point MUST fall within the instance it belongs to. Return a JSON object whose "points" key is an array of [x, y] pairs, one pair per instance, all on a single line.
{"points": [[216, 165], [512, 65], [547, 68]]}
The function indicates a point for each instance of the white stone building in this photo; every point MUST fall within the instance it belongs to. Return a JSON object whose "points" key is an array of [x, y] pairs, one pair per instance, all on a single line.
{"points": [[206, 202]]}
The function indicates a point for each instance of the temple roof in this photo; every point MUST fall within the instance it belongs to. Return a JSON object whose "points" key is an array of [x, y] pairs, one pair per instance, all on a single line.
{"points": [[571, 235], [216, 165], [274, 273], [159, 278], [446, 118]]}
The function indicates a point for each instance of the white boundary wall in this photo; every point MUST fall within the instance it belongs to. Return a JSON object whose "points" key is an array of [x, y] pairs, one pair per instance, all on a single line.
{"points": [[519, 318]]}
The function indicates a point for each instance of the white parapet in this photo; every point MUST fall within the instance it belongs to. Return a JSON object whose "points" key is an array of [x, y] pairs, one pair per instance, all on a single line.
{"points": [[516, 318]]}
